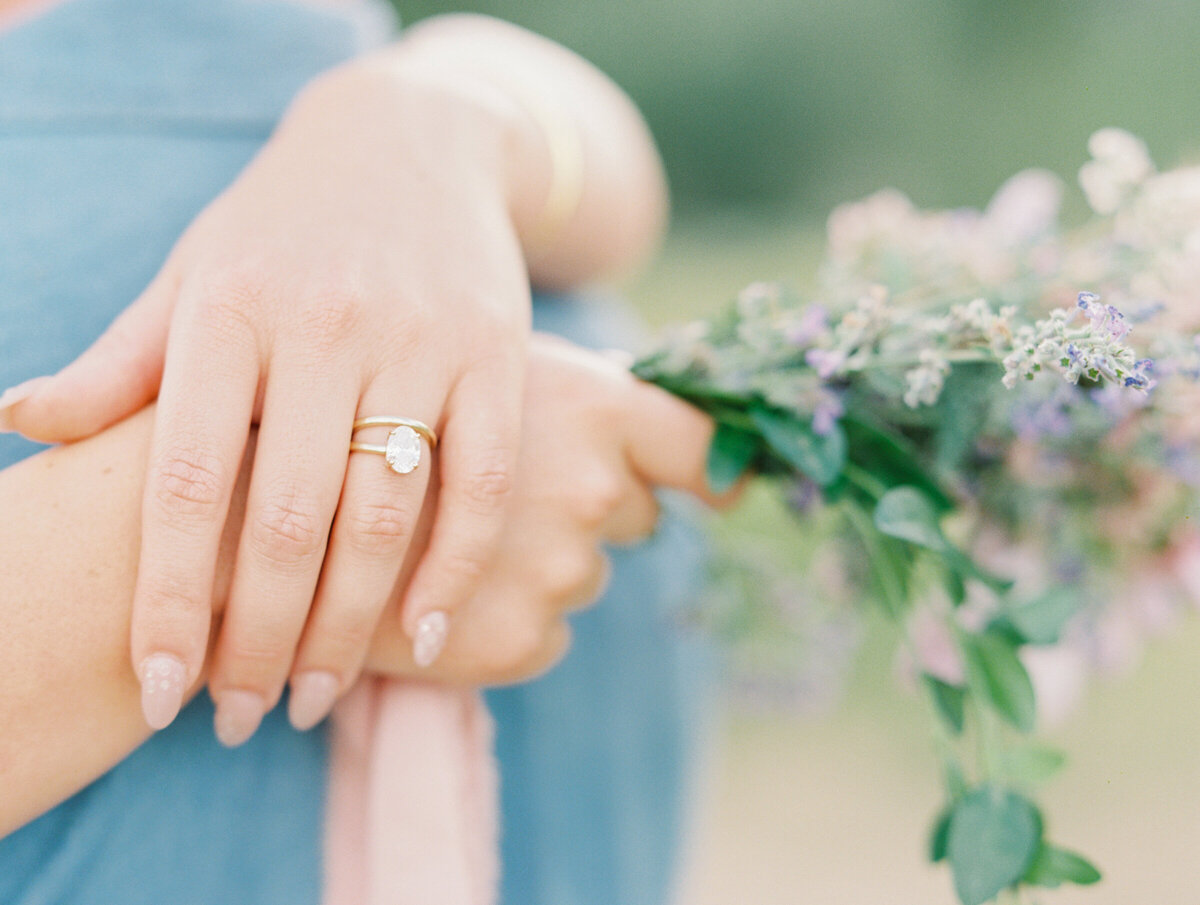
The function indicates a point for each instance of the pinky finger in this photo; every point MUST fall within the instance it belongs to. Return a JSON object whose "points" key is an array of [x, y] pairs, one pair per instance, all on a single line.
{"points": [[477, 470]]}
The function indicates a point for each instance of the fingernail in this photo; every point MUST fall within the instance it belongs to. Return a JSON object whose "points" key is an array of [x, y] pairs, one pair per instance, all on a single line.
{"points": [[164, 680], [238, 715], [13, 395], [312, 697], [430, 638]]}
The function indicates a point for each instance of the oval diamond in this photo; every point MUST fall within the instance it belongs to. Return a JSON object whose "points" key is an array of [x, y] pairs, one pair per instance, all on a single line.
{"points": [[403, 450]]}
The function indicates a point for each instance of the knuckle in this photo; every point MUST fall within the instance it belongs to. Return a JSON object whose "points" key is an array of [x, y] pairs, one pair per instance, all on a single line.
{"points": [[259, 653], [524, 638], [189, 481], [332, 315], [567, 575], [486, 487], [468, 563], [379, 528], [226, 303], [597, 499], [287, 531], [342, 640], [166, 601], [532, 650]]}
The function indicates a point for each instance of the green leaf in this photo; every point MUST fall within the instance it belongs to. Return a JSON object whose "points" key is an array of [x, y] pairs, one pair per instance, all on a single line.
{"points": [[1033, 763], [963, 407], [968, 568], [907, 514], [890, 457], [955, 587], [939, 836], [997, 673], [731, 453], [993, 838], [1054, 866], [820, 457], [1042, 620], [949, 701]]}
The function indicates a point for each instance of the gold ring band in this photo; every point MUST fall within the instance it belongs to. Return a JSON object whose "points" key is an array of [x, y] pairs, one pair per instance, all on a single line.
{"points": [[411, 423], [403, 448]]}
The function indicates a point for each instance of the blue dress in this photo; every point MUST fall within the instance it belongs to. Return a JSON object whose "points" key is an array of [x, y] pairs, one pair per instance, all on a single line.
{"points": [[119, 121]]}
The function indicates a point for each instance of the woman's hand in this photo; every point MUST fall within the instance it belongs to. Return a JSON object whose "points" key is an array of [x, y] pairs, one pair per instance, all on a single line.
{"points": [[364, 264], [595, 443], [371, 261]]}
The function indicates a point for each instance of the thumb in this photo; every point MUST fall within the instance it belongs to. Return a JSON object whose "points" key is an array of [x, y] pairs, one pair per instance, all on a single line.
{"points": [[667, 441], [115, 377]]}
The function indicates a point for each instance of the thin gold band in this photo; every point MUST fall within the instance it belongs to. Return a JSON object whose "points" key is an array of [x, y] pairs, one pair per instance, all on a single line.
{"points": [[386, 421]]}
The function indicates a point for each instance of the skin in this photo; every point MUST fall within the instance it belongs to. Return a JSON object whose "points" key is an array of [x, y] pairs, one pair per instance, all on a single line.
{"points": [[598, 441], [376, 258]]}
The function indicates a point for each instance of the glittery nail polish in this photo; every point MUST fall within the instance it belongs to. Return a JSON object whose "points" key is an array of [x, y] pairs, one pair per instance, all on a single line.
{"points": [[430, 638], [164, 680]]}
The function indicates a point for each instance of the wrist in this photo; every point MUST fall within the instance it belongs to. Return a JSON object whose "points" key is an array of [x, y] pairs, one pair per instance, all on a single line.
{"points": [[414, 110]]}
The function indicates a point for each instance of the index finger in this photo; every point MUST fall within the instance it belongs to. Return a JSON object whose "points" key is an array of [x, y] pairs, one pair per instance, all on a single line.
{"points": [[201, 427]]}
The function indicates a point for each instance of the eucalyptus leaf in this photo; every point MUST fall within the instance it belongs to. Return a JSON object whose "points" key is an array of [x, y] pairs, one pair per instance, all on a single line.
{"points": [[999, 676], [1033, 763], [964, 405], [1054, 866], [818, 456], [949, 700], [968, 568], [1042, 620], [993, 838], [907, 514], [730, 455]]}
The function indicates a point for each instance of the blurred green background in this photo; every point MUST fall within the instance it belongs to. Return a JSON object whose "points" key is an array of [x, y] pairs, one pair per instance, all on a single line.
{"points": [[784, 106], [768, 114]]}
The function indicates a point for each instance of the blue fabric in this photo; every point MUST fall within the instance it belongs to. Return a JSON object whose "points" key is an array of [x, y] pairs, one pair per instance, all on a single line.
{"points": [[119, 120]]}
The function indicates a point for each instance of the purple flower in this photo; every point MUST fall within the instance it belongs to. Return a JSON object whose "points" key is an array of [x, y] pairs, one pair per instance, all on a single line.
{"points": [[803, 495], [811, 324], [1116, 324], [826, 413], [825, 361], [1046, 418]]}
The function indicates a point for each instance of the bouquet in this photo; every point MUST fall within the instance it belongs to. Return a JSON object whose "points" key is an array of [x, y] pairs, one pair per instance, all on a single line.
{"points": [[1002, 413]]}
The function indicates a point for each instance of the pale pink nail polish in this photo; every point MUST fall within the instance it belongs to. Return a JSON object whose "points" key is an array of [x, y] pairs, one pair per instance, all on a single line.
{"points": [[164, 680], [238, 715], [13, 395], [312, 697], [430, 638]]}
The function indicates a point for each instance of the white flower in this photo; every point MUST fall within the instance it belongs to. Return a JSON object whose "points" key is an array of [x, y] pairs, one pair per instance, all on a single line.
{"points": [[1120, 162]]}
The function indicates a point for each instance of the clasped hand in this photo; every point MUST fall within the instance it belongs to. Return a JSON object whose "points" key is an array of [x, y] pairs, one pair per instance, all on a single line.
{"points": [[353, 271]]}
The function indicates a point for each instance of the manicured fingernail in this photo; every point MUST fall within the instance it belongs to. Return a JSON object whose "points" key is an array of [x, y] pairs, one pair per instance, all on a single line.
{"points": [[238, 715], [430, 638], [164, 680], [312, 697], [13, 395]]}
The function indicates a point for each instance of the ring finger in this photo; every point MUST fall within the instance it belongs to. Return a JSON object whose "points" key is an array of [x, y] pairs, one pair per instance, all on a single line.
{"points": [[372, 531]]}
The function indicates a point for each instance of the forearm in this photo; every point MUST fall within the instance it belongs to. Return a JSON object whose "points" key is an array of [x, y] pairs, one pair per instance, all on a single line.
{"points": [[520, 77], [69, 701]]}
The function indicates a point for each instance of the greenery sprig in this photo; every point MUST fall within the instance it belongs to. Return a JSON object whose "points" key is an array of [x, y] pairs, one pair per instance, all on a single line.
{"points": [[936, 389]]}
